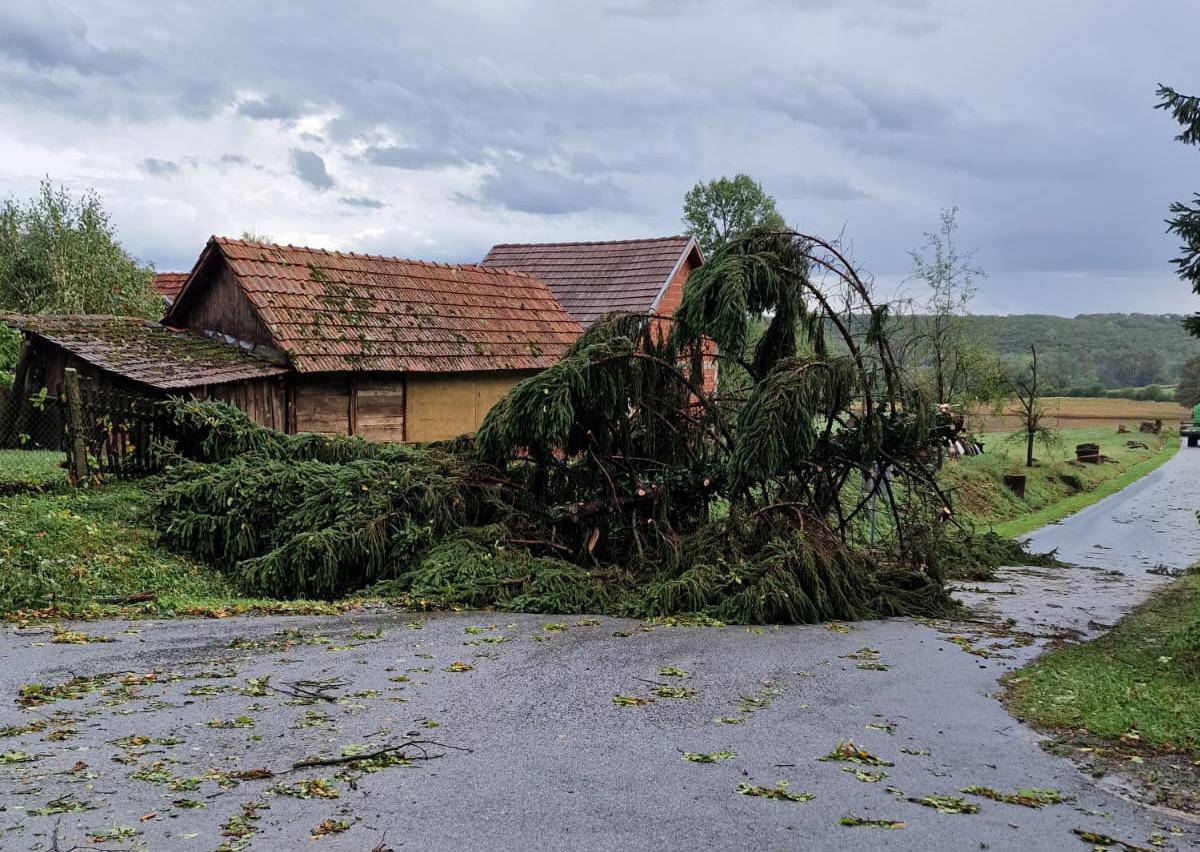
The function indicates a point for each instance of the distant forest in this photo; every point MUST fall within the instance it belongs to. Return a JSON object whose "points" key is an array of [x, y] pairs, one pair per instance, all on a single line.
{"points": [[1093, 350]]}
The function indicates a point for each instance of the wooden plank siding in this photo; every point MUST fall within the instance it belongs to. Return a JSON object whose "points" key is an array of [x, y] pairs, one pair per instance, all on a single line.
{"points": [[372, 407], [222, 307], [322, 404], [264, 400], [379, 407]]}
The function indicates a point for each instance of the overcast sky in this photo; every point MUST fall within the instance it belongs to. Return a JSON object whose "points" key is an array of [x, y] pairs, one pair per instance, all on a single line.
{"points": [[432, 130]]}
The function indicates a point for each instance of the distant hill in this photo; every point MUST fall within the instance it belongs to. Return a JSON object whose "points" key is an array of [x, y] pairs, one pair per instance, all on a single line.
{"points": [[1113, 350]]}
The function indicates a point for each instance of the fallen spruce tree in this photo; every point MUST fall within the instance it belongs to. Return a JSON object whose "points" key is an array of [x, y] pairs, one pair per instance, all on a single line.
{"points": [[614, 481]]}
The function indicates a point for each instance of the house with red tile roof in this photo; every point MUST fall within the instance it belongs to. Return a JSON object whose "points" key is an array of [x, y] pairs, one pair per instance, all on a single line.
{"points": [[306, 340], [591, 279], [168, 285]]}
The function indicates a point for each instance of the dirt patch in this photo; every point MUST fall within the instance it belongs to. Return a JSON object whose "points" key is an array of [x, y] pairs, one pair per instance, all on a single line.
{"points": [[1160, 779]]}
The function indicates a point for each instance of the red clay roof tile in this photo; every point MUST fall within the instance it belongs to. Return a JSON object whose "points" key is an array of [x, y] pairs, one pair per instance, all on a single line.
{"points": [[332, 311], [594, 278], [168, 284]]}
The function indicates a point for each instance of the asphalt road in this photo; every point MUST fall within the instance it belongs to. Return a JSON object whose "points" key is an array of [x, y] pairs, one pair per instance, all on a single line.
{"points": [[535, 753]]}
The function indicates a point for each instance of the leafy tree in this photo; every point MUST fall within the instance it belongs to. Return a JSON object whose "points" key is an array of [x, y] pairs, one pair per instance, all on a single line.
{"points": [[1128, 367], [718, 210], [1185, 220], [1187, 392], [252, 236], [60, 254], [959, 364]]}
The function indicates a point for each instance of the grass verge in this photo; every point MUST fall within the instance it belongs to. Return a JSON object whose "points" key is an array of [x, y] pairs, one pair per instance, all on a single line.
{"points": [[67, 549], [1057, 485], [1077, 502], [67, 553], [1136, 685]]}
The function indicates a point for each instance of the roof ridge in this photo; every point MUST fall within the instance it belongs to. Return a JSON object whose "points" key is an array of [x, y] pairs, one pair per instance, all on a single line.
{"points": [[599, 242], [433, 264]]}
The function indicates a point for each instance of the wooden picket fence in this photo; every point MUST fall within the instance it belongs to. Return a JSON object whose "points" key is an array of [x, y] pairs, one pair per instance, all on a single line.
{"points": [[110, 432]]}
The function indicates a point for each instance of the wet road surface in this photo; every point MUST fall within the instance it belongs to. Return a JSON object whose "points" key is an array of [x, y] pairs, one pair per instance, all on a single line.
{"points": [[183, 734]]}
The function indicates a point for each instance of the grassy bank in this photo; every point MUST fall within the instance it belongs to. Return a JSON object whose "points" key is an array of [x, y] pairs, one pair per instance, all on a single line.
{"points": [[1057, 485], [66, 552], [66, 549], [1137, 684]]}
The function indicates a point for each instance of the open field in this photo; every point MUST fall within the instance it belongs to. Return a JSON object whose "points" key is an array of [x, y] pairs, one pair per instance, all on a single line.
{"points": [[1067, 412]]}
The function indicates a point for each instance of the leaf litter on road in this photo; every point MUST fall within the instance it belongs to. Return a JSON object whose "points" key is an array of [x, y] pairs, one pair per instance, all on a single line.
{"points": [[707, 757], [945, 804], [779, 792], [846, 751], [854, 821], [1030, 797]]}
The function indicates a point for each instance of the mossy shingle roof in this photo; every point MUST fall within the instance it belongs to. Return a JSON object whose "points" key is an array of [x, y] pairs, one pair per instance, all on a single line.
{"points": [[334, 311], [144, 351]]}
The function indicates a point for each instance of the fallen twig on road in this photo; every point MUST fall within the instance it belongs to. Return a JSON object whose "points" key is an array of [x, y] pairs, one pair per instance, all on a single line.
{"points": [[370, 755]]}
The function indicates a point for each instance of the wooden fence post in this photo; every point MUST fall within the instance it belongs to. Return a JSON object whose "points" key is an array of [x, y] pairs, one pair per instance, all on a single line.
{"points": [[79, 465]]}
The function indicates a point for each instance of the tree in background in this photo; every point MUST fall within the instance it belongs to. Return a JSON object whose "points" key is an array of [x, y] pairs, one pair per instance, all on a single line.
{"points": [[252, 236], [1187, 392], [1131, 368], [1185, 220], [961, 367], [718, 210], [59, 254], [1030, 406]]}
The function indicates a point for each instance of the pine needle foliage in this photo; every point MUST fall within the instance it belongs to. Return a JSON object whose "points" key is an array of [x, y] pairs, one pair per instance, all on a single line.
{"points": [[614, 481]]}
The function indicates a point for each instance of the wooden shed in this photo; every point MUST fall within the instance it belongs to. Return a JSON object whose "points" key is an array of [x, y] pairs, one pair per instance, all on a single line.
{"points": [[135, 356], [389, 349]]}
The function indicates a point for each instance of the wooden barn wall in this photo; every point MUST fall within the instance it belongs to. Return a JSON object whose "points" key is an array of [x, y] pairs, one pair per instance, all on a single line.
{"points": [[445, 405], [371, 406], [221, 306], [379, 406], [47, 365], [265, 399], [321, 403]]}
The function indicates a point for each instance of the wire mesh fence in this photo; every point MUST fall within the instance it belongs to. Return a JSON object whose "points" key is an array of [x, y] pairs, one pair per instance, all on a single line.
{"points": [[118, 429], [33, 420]]}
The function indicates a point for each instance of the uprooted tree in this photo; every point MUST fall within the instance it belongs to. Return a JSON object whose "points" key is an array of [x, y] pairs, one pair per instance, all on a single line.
{"points": [[613, 482]]}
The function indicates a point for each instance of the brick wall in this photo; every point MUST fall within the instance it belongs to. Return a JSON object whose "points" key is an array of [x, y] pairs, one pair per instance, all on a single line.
{"points": [[672, 297]]}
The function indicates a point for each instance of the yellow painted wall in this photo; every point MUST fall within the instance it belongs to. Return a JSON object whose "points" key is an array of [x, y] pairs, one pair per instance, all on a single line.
{"points": [[445, 405]]}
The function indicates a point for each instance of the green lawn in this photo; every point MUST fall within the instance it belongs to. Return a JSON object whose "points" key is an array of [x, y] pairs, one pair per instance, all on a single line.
{"points": [[1139, 682], [66, 548], [68, 552], [1057, 485], [31, 470]]}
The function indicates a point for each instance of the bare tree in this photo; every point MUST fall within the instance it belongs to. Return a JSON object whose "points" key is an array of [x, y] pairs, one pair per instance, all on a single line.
{"points": [[1031, 407]]}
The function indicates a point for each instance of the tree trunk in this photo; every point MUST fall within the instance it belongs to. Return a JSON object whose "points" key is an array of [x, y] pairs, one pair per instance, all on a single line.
{"points": [[1029, 433]]}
